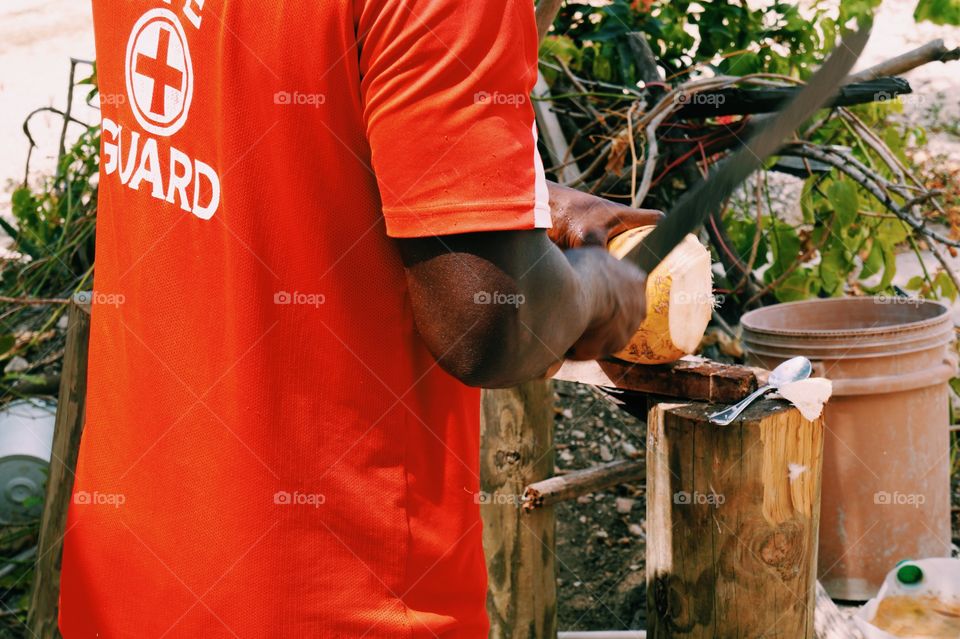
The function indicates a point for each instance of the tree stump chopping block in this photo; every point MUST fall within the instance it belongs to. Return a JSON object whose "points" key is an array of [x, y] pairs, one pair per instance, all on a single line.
{"points": [[732, 522]]}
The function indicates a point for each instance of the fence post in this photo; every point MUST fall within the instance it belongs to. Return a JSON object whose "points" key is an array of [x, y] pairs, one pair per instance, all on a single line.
{"points": [[517, 449], [42, 617]]}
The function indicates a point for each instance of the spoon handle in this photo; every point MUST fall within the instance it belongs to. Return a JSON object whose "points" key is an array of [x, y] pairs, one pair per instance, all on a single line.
{"points": [[727, 415]]}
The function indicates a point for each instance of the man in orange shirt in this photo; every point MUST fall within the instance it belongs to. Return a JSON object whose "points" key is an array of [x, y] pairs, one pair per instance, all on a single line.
{"points": [[322, 225]]}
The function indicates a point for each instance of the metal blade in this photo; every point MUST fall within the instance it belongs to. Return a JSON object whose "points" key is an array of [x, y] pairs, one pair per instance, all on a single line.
{"points": [[693, 207]]}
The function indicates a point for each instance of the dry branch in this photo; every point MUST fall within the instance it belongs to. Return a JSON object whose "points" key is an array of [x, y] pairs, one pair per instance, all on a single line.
{"points": [[934, 51], [546, 13], [572, 485]]}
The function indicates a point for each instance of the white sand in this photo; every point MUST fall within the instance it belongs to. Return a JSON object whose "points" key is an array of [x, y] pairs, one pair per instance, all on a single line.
{"points": [[37, 40]]}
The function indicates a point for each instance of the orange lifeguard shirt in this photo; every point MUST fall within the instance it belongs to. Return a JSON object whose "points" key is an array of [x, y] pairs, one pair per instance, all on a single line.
{"points": [[270, 450]]}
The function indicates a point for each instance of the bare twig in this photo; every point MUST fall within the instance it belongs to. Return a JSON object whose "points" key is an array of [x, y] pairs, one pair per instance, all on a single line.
{"points": [[572, 485], [930, 52], [33, 301], [868, 180], [547, 11]]}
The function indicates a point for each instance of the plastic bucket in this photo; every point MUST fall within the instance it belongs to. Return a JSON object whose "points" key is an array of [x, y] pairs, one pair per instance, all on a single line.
{"points": [[886, 470]]}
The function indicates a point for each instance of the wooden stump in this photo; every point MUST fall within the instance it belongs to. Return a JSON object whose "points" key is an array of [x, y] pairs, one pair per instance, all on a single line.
{"points": [[516, 450], [42, 618], [732, 522]]}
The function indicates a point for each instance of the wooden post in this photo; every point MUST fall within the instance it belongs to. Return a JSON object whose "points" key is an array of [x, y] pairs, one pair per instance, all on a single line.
{"points": [[516, 450], [42, 618], [732, 521]]}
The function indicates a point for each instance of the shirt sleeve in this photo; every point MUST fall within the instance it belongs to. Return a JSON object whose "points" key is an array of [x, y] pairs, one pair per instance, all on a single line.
{"points": [[446, 95]]}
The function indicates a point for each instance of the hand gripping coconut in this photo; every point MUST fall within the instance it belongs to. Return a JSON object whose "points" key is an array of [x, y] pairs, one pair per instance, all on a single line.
{"points": [[679, 300]]}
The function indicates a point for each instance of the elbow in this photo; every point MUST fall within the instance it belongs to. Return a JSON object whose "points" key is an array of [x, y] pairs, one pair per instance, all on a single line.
{"points": [[479, 374], [487, 355], [475, 376]]}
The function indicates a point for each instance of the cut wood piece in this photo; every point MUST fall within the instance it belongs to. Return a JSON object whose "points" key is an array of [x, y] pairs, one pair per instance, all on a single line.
{"points": [[516, 450], [574, 484], [694, 378], [679, 300], [732, 521]]}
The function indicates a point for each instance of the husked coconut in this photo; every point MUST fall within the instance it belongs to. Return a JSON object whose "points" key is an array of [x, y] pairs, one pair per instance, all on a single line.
{"points": [[679, 300]]}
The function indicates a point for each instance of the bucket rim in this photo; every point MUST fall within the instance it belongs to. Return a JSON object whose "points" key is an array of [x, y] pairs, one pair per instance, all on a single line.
{"points": [[942, 317]]}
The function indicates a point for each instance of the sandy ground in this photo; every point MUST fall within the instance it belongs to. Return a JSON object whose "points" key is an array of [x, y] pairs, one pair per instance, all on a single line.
{"points": [[37, 40]]}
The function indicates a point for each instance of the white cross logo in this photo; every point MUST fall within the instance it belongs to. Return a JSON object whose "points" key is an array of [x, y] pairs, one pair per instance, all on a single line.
{"points": [[159, 73]]}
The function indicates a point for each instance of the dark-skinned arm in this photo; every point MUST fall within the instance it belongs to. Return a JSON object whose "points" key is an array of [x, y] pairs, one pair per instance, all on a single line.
{"points": [[500, 308]]}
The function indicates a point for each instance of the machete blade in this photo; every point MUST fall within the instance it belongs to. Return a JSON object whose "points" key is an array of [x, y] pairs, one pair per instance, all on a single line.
{"points": [[693, 207]]}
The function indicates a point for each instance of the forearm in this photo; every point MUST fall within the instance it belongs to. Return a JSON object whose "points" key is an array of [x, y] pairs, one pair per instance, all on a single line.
{"points": [[504, 310], [563, 294]]}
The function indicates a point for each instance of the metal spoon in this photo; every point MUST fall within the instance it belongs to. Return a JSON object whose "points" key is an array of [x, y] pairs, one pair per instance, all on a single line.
{"points": [[792, 370]]}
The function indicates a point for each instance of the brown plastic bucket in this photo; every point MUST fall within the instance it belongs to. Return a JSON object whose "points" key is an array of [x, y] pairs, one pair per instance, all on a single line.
{"points": [[886, 470]]}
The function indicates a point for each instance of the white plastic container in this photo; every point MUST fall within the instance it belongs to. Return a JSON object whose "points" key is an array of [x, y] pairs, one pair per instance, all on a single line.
{"points": [[26, 439], [936, 578]]}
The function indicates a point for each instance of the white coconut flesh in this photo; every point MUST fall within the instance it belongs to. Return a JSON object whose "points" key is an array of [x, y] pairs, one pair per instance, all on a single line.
{"points": [[809, 395], [691, 299], [679, 301]]}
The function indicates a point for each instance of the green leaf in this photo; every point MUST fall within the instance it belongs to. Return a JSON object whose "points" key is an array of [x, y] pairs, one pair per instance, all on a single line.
{"points": [[938, 11], [741, 232], [563, 48], [785, 246], [915, 283], [742, 64], [889, 270], [874, 262], [945, 286], [852, 236], [6, 343], [807, 205], [843, 196], [891, 232], [799, 285], [602, 66], [834, 267]]}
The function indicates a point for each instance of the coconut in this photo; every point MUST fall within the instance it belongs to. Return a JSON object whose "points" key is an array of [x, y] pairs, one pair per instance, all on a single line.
{"points": [[679, 300]]}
